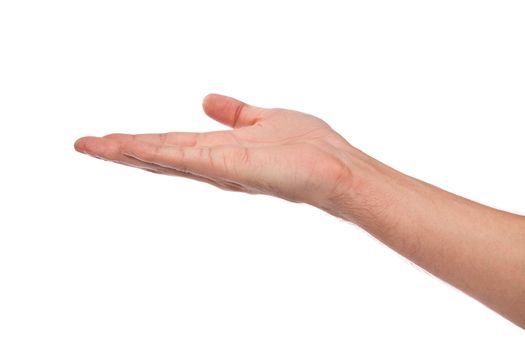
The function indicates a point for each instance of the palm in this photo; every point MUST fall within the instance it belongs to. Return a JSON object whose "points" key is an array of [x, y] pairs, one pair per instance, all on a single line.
{"points": [[273, 151]]}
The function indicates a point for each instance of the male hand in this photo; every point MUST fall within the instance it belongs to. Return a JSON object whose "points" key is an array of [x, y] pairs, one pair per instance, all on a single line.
{"points": [[278, 152]]}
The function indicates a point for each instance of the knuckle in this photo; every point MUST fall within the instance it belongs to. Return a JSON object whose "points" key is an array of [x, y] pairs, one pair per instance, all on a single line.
{"points": [[238, 114], [183, 160], [243, 156], [163, 138]]}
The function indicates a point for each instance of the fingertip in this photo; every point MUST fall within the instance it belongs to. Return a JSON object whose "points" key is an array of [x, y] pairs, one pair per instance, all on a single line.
{"points": [[229, 111], [85, 144], [80, 145], [97, 146], [209, 101]]}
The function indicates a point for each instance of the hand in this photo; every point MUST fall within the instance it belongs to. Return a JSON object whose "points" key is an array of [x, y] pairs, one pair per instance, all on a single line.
{"points": [[278, 152]]}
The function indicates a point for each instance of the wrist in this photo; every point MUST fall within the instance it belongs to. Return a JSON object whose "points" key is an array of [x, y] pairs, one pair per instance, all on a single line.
{"points": [[367, 190]]}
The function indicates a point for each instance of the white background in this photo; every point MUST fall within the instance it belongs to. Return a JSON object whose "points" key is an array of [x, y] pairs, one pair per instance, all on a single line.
{"points": [[94, 255]]}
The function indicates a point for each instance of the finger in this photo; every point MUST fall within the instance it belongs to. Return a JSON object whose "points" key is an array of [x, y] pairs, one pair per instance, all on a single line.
{"points": [[96, 146], [157, 169], [109, 149], [231, 112], [222, 162], [188, 139]]}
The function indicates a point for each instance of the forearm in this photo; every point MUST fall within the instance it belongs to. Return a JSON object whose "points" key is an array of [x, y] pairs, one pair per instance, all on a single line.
{"points": [[473, 247]]}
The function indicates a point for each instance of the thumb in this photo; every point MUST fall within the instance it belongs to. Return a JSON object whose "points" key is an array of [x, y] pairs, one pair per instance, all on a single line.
{"points": [[230, 112]]}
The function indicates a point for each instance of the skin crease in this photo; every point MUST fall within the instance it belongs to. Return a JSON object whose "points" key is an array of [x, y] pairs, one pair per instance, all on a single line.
{"points": [[298, 157]]}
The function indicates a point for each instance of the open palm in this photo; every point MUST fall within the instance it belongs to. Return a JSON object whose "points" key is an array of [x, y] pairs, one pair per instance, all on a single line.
{"points": [[278, 152]]}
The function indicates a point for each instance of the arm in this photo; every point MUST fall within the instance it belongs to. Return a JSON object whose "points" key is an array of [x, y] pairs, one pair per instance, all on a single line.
{"points": [[478, 249], [298, 157]]}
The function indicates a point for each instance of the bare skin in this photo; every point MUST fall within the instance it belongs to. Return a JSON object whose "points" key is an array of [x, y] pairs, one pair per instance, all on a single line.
{"points": [[298, 157]]}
